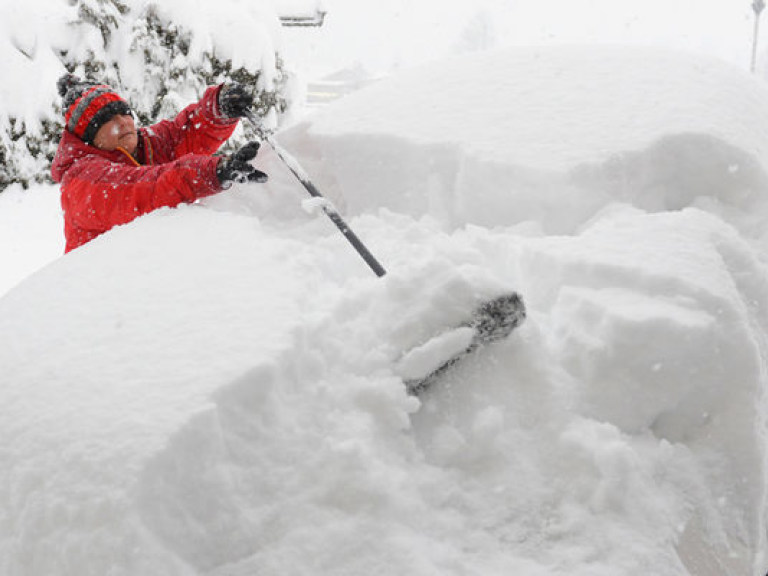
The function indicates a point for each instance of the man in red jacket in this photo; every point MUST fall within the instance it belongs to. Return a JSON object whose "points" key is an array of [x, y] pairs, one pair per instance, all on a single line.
{"points": [[111, 173]]}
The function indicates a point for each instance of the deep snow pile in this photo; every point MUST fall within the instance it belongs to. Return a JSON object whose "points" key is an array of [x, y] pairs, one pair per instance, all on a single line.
{"points": [[212, 390]]}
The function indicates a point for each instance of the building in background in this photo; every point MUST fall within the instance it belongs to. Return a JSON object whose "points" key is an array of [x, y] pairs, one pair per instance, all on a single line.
{"points": [[301, 12]]}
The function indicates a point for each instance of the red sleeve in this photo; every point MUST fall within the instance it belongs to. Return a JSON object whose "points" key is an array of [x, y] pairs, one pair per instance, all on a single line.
{"points": [[98, 194], [198, 129]]}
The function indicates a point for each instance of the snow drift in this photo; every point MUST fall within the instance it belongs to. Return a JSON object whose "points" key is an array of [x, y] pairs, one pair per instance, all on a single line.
{"points": [[212, 389], [576, 133]]}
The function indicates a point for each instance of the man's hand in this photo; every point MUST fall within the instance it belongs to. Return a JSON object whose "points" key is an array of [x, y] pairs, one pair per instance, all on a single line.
{"points": [[237, 166], [234, 100]]}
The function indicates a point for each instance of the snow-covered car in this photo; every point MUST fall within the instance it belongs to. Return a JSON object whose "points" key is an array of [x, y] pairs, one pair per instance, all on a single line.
{"points": [[214, 390]]}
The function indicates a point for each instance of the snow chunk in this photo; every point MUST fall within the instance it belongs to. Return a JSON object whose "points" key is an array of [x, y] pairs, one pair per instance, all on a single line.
{"points": [[315, 205], [424, 359]]}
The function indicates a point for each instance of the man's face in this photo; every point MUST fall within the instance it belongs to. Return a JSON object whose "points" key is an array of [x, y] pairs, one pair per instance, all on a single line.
{"points": [[119, 132]]}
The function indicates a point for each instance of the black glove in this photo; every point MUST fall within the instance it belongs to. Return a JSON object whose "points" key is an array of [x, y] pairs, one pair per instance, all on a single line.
{"points": [[237, 167], [234, 100]]}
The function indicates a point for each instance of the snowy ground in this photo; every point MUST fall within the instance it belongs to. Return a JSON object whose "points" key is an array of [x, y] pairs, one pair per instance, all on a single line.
{"points": [[212, 390]]}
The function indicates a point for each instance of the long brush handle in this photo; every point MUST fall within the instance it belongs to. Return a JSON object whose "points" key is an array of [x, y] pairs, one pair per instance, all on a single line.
{"points": [[331, 212]]}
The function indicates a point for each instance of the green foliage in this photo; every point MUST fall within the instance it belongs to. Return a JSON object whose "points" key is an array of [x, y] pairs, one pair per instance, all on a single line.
{"points": [[102, 14], [7, 172], [25, 155], [173, 76]]}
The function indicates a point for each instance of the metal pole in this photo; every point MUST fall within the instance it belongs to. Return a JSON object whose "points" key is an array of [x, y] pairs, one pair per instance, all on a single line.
{"points": [[292, 165], [757, 6]]}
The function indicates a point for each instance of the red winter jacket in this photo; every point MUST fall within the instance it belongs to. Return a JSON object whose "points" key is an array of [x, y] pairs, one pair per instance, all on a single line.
{"points": [[173, 164]]}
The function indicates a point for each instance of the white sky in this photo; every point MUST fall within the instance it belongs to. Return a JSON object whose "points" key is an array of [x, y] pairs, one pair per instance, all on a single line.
{"points": [[381, 34], [719, 27]]}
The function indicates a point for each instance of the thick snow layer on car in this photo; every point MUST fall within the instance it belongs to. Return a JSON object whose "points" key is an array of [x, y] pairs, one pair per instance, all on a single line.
{"points": [[548, 134]]}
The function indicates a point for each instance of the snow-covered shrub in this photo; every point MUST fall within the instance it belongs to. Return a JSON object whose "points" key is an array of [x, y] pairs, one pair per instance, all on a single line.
{"points": [[160, 55]]}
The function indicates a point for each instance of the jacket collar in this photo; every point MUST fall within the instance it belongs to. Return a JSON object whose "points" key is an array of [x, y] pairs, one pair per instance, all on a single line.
{"points": [[71, 149]]}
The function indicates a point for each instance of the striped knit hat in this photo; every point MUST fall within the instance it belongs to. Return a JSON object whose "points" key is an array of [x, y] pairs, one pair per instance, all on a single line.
{"points": [[88, 106]]}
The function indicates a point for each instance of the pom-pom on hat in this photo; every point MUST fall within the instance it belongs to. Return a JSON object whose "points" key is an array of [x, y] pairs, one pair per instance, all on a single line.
{"points": [[88, 106]]}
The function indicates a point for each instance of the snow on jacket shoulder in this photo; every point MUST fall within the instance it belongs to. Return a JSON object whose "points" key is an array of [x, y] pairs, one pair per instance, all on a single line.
{"points": [[101, 189]]}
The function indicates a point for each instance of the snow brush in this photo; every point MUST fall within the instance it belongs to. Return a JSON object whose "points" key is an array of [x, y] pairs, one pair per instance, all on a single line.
{"points": [[329, 210]]}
